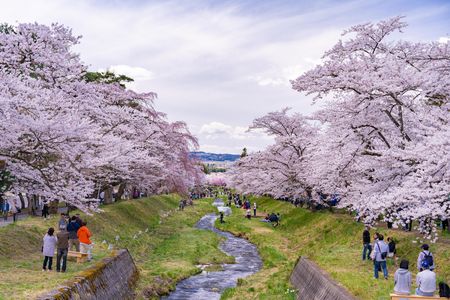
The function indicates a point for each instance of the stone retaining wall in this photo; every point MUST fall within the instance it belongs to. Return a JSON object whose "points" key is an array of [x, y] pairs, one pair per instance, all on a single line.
{"points": [[112, 278], [314, 284]]}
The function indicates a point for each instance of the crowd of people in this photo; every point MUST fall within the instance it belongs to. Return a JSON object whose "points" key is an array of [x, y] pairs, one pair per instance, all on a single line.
{"points": [[73, 233], [380, 252]]}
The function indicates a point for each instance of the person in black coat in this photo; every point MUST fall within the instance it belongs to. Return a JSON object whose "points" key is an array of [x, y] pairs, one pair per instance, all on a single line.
{"points": [[367, 246]]}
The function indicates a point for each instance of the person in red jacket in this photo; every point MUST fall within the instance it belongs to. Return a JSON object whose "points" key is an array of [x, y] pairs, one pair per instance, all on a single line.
{"points": [[85, 243]]}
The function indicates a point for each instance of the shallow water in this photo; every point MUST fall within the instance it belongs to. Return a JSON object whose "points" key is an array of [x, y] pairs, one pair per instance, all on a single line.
{"points": [[210, 285]]}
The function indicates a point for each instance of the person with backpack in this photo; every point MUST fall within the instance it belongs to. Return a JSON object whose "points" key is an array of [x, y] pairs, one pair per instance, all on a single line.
{"points": [[72, 228], [402, 279], [367, 247], [425, 280], [425, 254], [380, 251]]}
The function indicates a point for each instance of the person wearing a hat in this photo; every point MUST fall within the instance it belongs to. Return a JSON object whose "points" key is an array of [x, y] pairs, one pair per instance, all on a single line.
{"points": [[425, 254], [425, 280]]}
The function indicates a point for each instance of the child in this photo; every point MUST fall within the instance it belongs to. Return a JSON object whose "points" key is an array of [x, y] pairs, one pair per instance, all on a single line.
{"points": [[249, 214], [402, 279], [48, 249], [392, 250]]}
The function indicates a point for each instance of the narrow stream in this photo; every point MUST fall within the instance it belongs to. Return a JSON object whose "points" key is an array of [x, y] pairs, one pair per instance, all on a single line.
{"points": [[210, 285]]}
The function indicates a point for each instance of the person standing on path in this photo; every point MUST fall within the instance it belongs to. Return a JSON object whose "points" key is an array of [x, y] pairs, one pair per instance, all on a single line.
{"points": [[62, 249], [367, 247], [14, 212], [5, 209], [72, 228], [85, 242], [254, 209], [48, 249], [45, 210]]}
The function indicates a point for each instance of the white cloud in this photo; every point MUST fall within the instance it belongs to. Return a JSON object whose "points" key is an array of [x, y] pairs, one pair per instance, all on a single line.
{"points": [[215, 130], [218, 137], [444, 39], [137, 73], [216, 63]]}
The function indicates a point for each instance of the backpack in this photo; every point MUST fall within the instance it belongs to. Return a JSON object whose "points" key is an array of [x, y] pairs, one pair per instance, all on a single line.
{"points": [[444, 290], [428, 258]]}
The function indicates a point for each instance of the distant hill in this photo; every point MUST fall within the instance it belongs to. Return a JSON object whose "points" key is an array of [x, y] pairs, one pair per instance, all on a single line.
{"points": [[204, 156]]}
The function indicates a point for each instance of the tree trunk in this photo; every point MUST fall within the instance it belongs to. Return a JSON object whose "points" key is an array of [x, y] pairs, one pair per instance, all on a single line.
{"points": [[33, 203], [22, 201], [120, 191], [108, 194], [53, 207]]}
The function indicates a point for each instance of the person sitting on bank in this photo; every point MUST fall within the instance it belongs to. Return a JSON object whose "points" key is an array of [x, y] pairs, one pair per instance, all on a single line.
{"points": [[274, 219], [402, 279], [425, 280]]}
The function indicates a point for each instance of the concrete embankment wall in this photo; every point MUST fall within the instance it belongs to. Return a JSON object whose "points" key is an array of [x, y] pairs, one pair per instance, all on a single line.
{"points": [[312, 283], [112, 278]]}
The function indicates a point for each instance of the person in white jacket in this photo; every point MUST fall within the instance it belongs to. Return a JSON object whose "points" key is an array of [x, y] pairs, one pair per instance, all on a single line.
{"points": [[48, 249], [426, 281]]}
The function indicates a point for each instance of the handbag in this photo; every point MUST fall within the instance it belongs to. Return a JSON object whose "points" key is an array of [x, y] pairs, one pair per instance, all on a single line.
{"points": [[383, 254]]}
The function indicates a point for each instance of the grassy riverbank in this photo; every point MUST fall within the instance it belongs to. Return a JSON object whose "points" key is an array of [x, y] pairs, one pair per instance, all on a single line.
{"points": [[161, 239], [333, 241]]}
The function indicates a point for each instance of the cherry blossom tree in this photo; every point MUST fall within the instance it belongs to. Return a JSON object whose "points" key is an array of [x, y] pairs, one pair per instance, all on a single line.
{"points": [[280, 170], [66, 134], [383, 143]]}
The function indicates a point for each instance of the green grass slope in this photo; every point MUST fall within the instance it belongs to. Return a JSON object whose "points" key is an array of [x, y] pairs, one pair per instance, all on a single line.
{"points": [[333, 241], [161, 239]]}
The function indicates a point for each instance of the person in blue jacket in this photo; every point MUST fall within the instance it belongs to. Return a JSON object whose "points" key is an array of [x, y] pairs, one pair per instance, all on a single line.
{"points": [[5, 210]]}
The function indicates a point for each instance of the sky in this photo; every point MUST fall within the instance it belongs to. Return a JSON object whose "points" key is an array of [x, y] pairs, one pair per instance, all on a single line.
{"points": [[217, 65]]}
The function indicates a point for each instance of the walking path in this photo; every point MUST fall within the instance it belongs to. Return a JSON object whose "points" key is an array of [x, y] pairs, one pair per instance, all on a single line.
{"points": [[24, 215]]}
